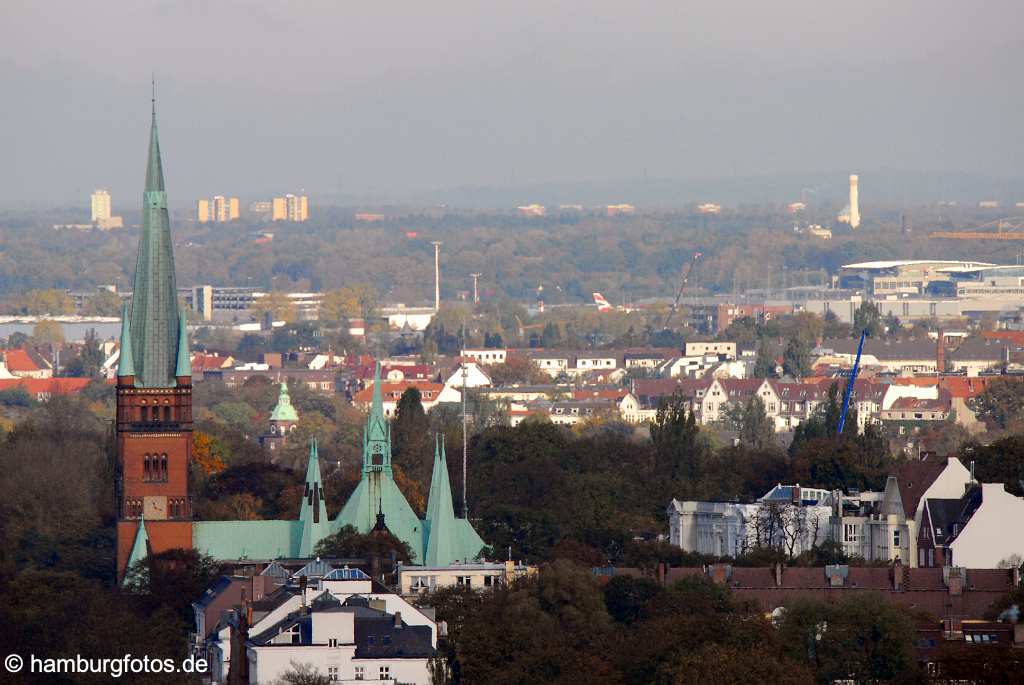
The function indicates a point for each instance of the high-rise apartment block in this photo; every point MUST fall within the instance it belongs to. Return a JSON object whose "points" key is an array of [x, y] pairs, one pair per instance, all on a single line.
{"points": [[101, 216], [854, 202], [289, 208], [100, 205], [219, 209]]}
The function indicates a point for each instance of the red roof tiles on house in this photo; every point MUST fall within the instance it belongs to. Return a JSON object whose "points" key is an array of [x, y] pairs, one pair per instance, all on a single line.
{"points": [[43, 388], [20, 360]]}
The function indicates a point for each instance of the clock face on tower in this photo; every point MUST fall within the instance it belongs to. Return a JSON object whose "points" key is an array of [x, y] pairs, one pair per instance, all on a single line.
{"points": [[154, 507]]}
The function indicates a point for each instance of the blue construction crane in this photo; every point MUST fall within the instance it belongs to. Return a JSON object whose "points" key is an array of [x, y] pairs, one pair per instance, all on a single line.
{"points": [[849, 385]]}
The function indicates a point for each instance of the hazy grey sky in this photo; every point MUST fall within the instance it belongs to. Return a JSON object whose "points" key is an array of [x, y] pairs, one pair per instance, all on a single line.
{"points": [[390, 97]]}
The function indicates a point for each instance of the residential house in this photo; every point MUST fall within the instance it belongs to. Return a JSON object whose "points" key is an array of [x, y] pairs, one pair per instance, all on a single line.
{"points": [[885, 526], [417, 580], [979, 529], [486, 356], [431, 394], [24, 363]]}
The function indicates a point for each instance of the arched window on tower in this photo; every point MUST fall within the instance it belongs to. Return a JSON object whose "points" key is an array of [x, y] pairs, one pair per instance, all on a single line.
{"points": [[163, 466], [167, 414], [145, 414], [147, 472]]}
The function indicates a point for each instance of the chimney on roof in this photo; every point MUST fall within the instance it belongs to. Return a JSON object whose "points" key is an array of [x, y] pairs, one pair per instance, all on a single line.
{"points": [[940, 352], [897, 575]]}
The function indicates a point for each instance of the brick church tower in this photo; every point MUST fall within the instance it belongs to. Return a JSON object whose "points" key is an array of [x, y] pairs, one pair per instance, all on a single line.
{"points": [[154, 392]]}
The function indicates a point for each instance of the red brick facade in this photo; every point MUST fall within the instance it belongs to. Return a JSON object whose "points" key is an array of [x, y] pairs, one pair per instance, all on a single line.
{"points": [[154, 446]]}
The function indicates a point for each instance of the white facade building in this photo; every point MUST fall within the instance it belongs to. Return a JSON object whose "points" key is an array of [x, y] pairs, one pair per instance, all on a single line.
{"points": [[788, 517], [993, 533]]}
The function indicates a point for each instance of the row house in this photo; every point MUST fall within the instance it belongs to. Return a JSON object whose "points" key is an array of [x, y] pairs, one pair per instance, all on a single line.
{"points": [[323, 382]]}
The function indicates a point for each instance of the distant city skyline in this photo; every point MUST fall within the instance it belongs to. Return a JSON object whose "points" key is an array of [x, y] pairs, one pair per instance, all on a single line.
{"points": [[461, 102]]}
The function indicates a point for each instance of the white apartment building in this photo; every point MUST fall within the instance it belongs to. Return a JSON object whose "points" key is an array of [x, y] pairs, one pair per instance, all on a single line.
{"points": [[100, 206]]}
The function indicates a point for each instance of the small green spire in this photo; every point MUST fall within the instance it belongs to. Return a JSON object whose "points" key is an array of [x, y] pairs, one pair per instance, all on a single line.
{"points": [[313, 514], [125, 364], [184, 366], [140, 547], [284, 411], [377, 436]]}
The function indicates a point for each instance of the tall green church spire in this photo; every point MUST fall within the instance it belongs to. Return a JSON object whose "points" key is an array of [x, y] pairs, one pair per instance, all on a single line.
{"points": [[155, 324], [377, 437]]}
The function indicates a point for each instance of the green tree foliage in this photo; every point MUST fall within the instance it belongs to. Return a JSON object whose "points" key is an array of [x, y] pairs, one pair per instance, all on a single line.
{"points": [[796, 358], [868, 317], [756, 429], [764, 366], [1002, 403], [1000, 462], [864, 638], [89, 359], [172, 580], [411, 442], [679, 448], [349, 543]]}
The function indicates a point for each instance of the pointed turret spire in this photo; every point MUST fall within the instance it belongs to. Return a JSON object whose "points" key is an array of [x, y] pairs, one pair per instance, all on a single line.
{"points": [[155, 320], [184, 365], [140, 547], [441, 524], [377, 437], [125, 364], [313, 514]]}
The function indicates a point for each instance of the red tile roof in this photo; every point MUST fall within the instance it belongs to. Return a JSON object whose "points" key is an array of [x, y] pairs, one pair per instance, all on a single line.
{"points": [[46, 386], [391, 392], [20, 360]]}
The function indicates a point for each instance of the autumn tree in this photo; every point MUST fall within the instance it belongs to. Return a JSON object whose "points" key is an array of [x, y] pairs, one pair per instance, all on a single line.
{"points": [[208, 453], [48, 332]]}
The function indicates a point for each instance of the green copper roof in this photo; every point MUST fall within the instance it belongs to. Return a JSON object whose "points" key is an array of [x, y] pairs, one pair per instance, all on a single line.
{"points": [[284, 411], [184, 364], [247, 539], [313, 514], [125, 365], [377, 491], [155, 323], [440, 539], [140, 548]]}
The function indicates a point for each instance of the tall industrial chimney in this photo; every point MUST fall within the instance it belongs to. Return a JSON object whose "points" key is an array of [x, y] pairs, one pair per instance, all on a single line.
{"points": [[437, 275], [854, 203]]}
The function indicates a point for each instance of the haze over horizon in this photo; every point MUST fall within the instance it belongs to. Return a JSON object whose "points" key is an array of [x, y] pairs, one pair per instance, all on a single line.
{"points": [[394, 102]]}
